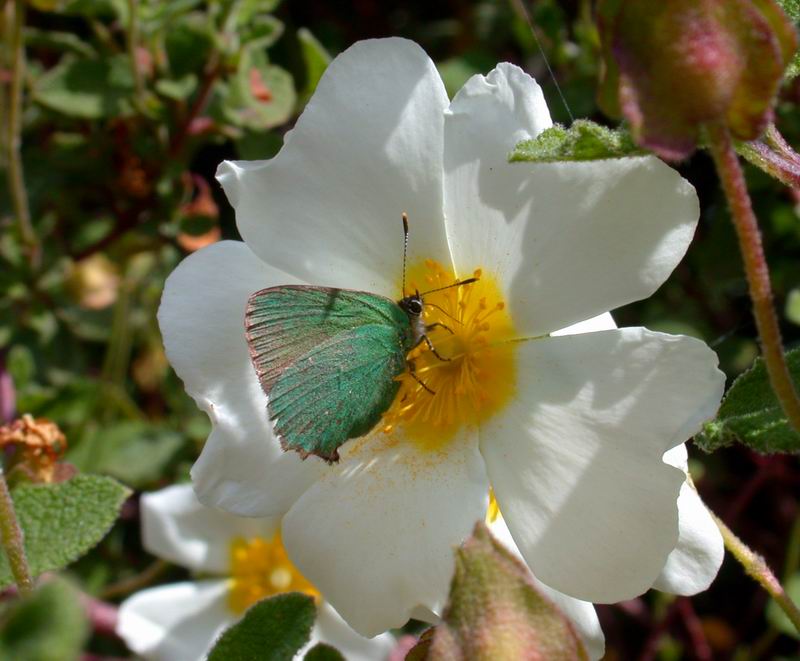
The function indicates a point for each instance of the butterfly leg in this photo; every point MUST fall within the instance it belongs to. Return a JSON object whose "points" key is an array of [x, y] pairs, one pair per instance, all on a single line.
{"points": [[439, 324], [412, 370], [424, 338]]}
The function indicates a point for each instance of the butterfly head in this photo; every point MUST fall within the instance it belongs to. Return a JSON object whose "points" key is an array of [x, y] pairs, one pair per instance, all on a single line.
{"points": [[412, 305]]}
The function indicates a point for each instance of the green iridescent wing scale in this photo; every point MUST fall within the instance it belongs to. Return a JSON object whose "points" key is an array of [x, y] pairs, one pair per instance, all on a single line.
{"points": [[327, 360]]}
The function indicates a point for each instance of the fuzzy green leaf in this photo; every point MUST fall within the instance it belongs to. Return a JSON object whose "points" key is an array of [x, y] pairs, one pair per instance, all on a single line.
{"points": [[323, 652], [63, 521], [583, 141], [89, 89], [750, 414], [792, 9], [272, 630], [48, 625]]}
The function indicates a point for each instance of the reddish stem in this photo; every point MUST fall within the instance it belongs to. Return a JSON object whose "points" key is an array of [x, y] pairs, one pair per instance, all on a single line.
{"points": [[755, 266]]}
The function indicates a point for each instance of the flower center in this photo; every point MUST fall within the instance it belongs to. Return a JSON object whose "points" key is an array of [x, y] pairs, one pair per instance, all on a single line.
{"points": [[471, 329], [260, 568]]}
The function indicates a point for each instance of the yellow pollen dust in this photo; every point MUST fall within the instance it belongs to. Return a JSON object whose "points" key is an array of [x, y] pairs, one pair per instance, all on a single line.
{"points": [[471, 326], [260, 568]]}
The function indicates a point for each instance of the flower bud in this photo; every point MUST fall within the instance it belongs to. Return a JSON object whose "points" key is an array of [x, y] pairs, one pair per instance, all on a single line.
{"points": [[672, 66]]}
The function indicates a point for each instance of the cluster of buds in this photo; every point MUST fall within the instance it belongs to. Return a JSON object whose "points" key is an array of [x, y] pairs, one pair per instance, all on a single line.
{"points": [[672, 67]]}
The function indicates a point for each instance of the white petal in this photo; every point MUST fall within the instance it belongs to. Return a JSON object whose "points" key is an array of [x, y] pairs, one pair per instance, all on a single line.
{"points": [[694, 563], [566, 240], [330, 628], [177, 527], [242, 468], [581, 613], [367, 147], [576, 459], [376, 536], [178, 621]]}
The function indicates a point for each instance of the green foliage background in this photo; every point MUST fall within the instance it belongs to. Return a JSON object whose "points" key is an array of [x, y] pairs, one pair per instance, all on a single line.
{"points": [[119, 172]]}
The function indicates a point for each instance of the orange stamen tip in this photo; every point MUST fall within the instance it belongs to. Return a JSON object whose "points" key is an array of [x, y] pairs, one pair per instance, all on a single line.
{"points": [[477, 273], [501, 305]]}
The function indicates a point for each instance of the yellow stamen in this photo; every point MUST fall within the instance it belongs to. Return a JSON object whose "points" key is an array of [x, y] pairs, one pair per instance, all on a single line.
{"points": [[480, 376], [493, 510], [260, 568]]}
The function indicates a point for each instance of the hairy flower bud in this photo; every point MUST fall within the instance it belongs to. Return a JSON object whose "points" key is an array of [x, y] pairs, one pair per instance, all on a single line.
{"points": [[672, 66]]}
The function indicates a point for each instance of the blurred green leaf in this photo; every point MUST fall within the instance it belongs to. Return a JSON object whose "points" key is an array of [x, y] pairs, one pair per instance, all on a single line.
{"points": [[523, 623], [260, 95], [188, 44], [133, 451], [323, 652], [316, 60], [63, 521], [108, 9], [90, 89], [248, 9], [272, 630], [21, 366], [177, 89], [750, 414], [792, 309], [261, 31], [48, 625], [58, 41], [775, 615], [583, 141]]}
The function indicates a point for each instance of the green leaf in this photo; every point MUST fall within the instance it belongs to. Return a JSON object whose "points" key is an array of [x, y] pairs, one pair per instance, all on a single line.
{"points": [[583, 141], [792, 308], [272, 630], [792, 9], [260, 95], [63, 521], [58, 41], [48, 625], [775, 615], [323, 652], [177, 89], [316, 60], [132, 451], [89, 89], [188, 44], [750, 414], [495, 610]]}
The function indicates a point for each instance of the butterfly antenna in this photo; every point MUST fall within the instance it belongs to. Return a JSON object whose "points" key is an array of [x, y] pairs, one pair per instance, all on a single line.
{"points": [[459, 283], [405, 249], [443, 311]]}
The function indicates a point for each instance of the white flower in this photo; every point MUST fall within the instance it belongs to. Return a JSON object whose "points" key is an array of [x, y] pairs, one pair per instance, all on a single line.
{"points": [[568, 429], [243, 560]]}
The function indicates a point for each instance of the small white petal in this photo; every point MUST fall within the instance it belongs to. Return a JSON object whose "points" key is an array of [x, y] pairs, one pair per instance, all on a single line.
{"points": [[376, 536], [694, 563], [242, 468], [576, 458], [177, 527], [581, 613], [568, 240], [367, 147], [331, 629], [178, 621]]}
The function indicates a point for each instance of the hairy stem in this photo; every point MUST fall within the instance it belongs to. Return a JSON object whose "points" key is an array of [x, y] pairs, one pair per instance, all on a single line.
{"points": [[757, 568], [11, 538], [756, 269], [16, 179]]}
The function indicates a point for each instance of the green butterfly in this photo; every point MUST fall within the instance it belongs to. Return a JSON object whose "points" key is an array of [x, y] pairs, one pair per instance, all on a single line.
{"points": [[328, 359]]}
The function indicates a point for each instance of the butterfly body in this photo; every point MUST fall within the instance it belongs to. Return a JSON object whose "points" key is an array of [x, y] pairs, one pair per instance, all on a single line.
{"points": [[328, 359]]}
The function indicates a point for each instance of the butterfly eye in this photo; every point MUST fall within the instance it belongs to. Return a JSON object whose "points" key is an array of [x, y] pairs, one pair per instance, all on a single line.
{"points": [[415, 306]]}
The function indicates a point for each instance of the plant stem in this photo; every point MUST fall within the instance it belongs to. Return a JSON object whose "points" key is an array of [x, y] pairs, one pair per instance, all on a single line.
{"points": [[16, 179], [132, 39], [757, 568], [11, 538], [756, 269]]}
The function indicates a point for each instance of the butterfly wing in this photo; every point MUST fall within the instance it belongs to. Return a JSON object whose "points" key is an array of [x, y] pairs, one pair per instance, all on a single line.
{"points": [[327, 360]]}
